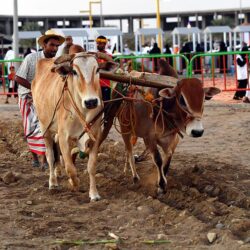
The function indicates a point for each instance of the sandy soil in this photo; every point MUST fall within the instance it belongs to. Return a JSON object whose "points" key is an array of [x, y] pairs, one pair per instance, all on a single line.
{"points": [[208, 191]]}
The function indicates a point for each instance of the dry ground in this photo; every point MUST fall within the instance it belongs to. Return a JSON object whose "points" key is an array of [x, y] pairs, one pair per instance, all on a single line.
{"points": [[208, 191]]}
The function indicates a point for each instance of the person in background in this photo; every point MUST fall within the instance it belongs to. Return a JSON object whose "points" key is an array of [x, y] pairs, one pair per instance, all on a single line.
{"points": [[9, 56], [12, 84], [155, 50], [127, 51], [69, 42], [197, 61], [50, 42], [1, 54], [242, 74], [223, 58], [186, 51], [28, 51], [168, 52], [101, 42]]}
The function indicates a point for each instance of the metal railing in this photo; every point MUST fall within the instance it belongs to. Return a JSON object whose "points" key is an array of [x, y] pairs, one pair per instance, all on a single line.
{"points": [[218, 69]]}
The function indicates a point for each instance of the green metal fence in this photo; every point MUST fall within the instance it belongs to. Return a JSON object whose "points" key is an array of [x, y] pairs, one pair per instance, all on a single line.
{"points": [[139, 59]]}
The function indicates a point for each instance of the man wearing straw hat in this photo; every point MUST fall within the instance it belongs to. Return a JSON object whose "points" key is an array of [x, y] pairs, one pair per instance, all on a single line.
{"points": [[50, 42]]}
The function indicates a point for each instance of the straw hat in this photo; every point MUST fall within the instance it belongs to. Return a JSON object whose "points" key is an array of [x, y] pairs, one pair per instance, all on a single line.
{"points": [[48, 34]]}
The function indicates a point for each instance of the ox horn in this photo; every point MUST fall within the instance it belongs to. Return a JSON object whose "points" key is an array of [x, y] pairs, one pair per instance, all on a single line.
{"points": [[167, 93], [210, 92], [64, 58], [103, 56], [62, 64]]}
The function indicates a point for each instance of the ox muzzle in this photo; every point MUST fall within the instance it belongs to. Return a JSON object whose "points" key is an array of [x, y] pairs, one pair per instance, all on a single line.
{"points": [[91, 103], [194, 128]]}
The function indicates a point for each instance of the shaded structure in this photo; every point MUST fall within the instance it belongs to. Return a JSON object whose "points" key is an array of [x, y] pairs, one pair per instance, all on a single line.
{"points": [[210, 30], [80, 36], [146, 32], [240, 31], [30, 35], [192, 32]]}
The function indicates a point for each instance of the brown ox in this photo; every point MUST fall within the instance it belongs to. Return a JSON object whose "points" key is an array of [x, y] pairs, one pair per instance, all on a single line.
{"points": [[66, 99], [180, 109]]}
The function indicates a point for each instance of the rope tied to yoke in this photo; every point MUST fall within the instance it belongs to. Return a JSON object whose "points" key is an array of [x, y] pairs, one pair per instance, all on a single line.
{"points": [[129, 97]]}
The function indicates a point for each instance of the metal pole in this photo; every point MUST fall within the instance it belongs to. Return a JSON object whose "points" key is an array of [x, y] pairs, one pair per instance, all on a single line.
{"points": [[15, 29], [240, 12], [90, 16], [158, 21], [101, 16]]}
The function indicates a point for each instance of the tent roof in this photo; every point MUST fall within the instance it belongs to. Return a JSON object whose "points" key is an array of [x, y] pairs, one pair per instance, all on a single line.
{"points": [[217, 29], [149, 31], [75, 32], [92, 33], [108, 32], [185, 31], [28, 34], [242, 28]]}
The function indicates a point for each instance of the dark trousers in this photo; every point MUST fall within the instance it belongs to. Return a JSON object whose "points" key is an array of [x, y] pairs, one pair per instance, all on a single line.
{"points": [[242, 84], [106, 91]]}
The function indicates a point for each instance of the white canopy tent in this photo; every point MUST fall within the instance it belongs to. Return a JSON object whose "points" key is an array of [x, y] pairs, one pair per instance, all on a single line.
{"points": [[79, 35], [241, 30], [30, 35], [147, 32], [194, 31], [210, 30]]}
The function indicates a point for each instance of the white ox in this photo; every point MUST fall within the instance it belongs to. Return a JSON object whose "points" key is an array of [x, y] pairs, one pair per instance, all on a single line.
{"points": [[67, 96]]}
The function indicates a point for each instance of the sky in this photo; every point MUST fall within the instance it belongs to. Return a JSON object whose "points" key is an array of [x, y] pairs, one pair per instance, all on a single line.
{"points": [[73, 7]]}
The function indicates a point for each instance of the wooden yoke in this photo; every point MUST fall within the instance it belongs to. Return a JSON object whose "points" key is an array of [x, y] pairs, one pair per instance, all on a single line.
{"points": [[141, 79]]}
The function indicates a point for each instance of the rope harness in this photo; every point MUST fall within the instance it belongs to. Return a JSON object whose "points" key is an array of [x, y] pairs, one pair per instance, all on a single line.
{"points": [[126, 114], [86, 125]]}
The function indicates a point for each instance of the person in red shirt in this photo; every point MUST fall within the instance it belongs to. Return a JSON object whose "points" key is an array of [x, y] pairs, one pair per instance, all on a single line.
{"points": [[101, 43], [12, 84]]}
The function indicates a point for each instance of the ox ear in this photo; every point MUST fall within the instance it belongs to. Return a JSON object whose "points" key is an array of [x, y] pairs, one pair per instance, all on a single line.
{"points": [[108, 66], [62, 65], [167, 93], [210, 92]]}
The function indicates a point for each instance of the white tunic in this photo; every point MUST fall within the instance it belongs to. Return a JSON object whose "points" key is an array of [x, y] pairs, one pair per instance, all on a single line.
{"points": [[241, 70]]}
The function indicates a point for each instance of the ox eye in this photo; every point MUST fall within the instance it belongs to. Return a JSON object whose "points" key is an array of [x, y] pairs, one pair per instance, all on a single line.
{"points": [[74, 72], [97, 71], [182, 101]]}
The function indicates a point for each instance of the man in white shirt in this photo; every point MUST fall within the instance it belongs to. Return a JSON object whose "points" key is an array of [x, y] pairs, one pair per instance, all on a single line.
{"points": [[242, 74], [9, 56], [24, 76]]}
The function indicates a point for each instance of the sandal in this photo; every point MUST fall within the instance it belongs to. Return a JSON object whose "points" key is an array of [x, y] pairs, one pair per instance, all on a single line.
{"points": [[35, 164]]}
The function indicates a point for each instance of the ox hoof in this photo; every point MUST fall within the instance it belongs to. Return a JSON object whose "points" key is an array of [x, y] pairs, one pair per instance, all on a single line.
{"points": [[74, 185], [53, 187], [96, 197], [136, 179], [161, 191]]}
